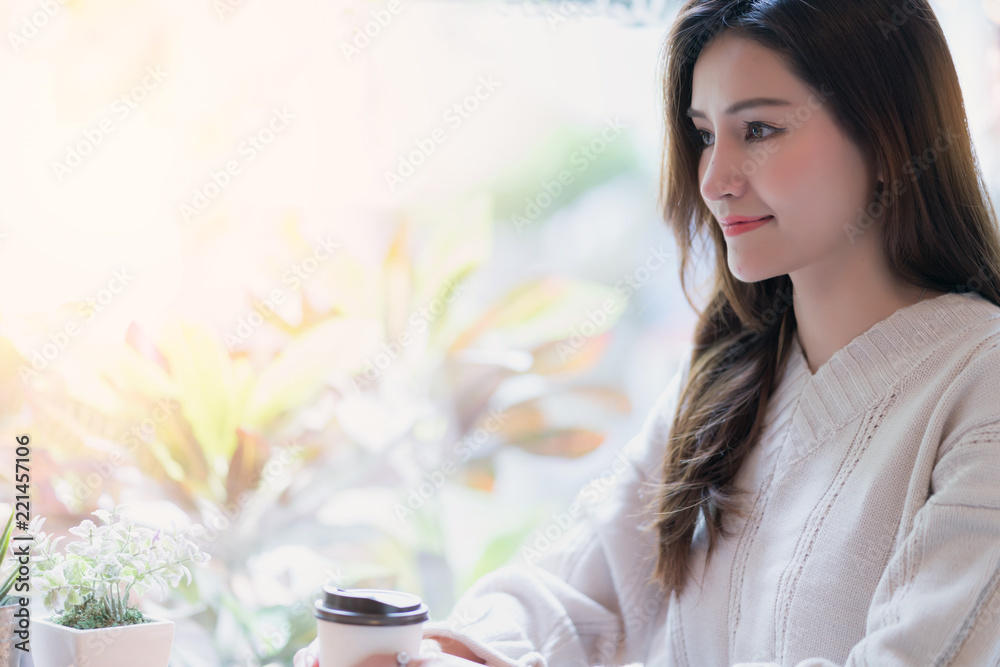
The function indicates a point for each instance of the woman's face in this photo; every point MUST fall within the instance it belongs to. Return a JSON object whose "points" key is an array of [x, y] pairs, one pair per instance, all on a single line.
{"points": [[785, 159]]}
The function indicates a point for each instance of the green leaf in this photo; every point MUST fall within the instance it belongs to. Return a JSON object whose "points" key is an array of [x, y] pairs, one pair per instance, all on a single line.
{"points": [[334, 347], [203, 374], [501, 550], [132, 372], [5, 539], [550, 309], [460, 240], [559, 152], [8, 583], [5, 554], [567, 442], [571, 422]]}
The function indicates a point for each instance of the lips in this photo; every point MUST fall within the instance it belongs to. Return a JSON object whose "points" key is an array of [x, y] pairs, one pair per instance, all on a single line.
{"points": [[740, 219], [738, 228]]}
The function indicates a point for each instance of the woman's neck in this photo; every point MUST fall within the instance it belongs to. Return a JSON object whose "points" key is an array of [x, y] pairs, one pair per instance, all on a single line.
{"points": [[829, 322]]}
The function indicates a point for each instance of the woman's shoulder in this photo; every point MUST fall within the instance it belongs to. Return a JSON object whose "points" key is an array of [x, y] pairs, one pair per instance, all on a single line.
{"points": [[971, 307], [978, 339], [963, 373]]}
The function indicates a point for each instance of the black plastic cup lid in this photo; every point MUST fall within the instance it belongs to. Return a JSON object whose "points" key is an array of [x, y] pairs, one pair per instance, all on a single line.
{"points": [[370, 606]]}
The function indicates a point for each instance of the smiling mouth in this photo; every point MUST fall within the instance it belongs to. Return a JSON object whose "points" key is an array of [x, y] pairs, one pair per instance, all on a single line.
{"points": [[747, 222]]}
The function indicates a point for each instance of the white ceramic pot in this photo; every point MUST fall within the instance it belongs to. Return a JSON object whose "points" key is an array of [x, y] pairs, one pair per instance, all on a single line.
{"points": [[146, 644]]}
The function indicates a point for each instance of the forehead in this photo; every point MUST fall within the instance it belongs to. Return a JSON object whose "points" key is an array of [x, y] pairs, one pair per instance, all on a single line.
{"points": [[731, 68]]}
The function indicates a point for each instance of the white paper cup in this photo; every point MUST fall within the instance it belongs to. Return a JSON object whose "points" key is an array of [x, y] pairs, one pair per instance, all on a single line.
{"points": [[355, 624]]}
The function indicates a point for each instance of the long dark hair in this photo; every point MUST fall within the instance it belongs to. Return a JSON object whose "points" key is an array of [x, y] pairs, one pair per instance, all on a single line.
{"points": [[892, 88]]}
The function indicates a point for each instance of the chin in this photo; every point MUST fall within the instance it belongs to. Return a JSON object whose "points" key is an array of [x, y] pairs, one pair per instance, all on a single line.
{"points": [[748, 272]]}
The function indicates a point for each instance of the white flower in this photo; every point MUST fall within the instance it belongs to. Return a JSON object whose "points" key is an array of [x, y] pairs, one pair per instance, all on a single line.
{"points": [[111, 561], [85, 529]]}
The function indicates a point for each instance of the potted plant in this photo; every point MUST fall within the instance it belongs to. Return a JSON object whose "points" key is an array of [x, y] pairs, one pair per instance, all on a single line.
{"points": [[92, 584], [9, 655]]}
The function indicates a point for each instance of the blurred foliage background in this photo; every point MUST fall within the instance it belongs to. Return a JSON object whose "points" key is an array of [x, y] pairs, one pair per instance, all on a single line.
{"points": [[368, 290]]}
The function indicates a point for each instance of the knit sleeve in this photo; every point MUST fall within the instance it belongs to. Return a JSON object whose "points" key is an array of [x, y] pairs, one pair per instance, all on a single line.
{"points": [[589, 599], [938, 600]]}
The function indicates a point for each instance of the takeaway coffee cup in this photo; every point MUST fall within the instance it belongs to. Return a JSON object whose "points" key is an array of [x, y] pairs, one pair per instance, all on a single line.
{"points": [[360, 622]]}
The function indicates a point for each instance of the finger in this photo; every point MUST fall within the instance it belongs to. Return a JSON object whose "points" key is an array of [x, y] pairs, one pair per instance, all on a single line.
{"points": [[304, 658], [381, 660]]}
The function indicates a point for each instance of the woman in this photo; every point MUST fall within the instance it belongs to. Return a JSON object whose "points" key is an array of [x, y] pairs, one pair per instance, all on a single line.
{"points": [[820, 483]]}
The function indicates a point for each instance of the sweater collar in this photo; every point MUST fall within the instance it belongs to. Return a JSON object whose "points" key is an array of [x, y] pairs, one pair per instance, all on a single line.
{"points": [[867, 367]]}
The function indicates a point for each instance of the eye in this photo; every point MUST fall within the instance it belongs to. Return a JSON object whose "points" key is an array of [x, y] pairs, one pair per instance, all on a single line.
{"points": [[698, 138], [752, 125], [755, 131]]}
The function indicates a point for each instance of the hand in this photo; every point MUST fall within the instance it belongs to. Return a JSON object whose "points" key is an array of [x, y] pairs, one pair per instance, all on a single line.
{"points": [[308, 657], [434, 660]]}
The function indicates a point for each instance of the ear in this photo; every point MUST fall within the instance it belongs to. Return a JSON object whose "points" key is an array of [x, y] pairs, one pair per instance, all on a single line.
{"points": [[879, 171]]}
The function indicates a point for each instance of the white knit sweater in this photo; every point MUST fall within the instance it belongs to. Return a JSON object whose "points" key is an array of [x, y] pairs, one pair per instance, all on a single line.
{"points": [[872, 534]]}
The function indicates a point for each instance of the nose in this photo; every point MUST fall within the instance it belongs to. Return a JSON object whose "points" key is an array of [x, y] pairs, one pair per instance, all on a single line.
{"points": [[721, 171]]}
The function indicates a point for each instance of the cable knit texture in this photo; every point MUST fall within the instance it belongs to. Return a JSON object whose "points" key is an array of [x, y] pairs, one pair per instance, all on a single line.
{"points": [[871, 534]]}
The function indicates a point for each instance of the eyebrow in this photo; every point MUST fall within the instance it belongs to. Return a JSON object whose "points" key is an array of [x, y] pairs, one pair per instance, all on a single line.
{"points": [[745, 104]]}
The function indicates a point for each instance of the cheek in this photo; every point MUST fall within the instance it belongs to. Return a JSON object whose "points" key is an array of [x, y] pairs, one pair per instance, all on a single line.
{"points": [[816, 184]]}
